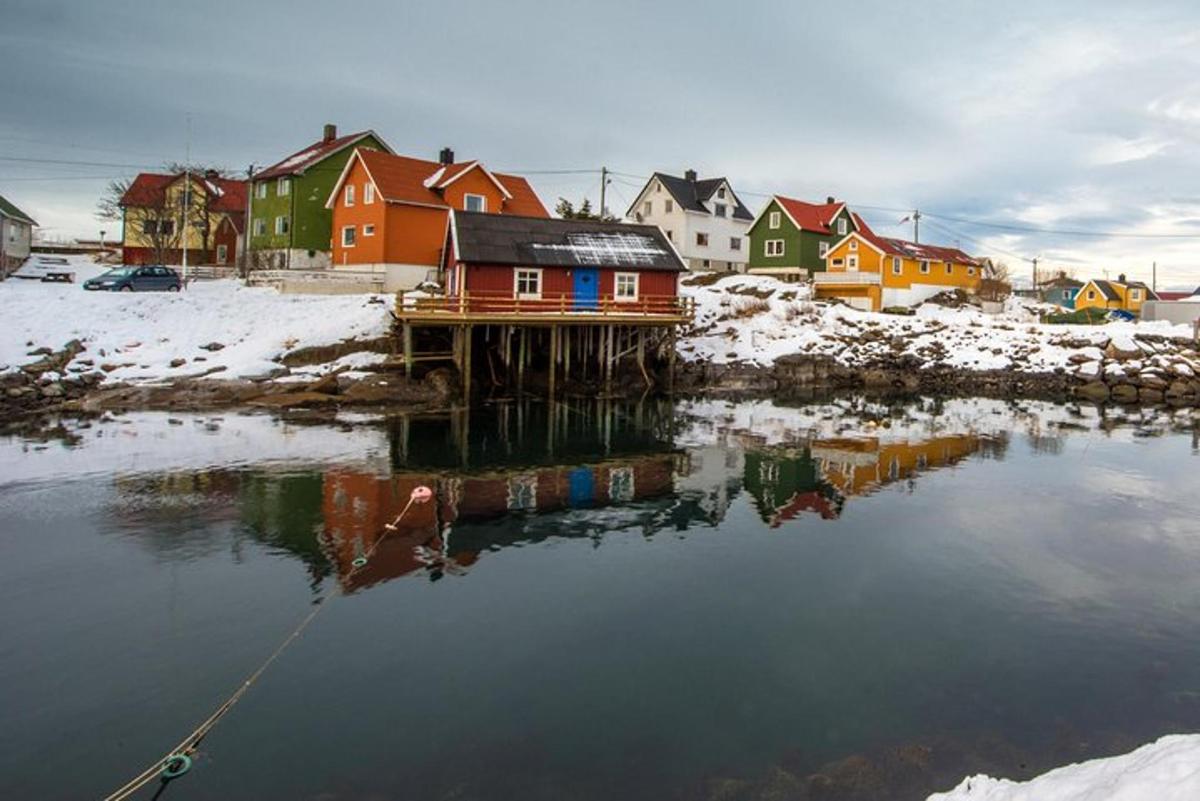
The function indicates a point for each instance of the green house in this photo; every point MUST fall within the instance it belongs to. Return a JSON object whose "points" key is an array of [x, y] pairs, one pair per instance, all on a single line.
{"points": [[290, 228], [789, 238]]}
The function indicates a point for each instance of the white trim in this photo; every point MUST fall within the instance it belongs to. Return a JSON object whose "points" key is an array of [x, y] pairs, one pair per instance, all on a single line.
{"points": [[282, 218], [769, 246], [774, 220], [925, 267], [859, 237], [368, 229], [280, 183], [527, 295], [348, 196], [776, 200], [352, 229], [222, 253], [637, 287], [897, 265], [368, 194], [482, 198], [503, 190], [822, 250]]}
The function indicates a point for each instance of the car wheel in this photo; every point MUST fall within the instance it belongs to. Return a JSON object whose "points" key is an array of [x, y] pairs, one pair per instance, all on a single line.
{"points": [[127, 288], [173, 288]]}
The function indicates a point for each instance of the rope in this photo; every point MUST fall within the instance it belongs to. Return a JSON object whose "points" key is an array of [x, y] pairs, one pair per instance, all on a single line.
{"points": [[190, 743]]}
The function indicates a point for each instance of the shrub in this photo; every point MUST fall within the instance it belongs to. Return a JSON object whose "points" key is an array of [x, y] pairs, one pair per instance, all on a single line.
{"points": [[749, 307]]}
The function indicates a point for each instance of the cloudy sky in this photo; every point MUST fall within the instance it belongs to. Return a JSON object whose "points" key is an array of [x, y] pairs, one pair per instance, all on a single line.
{"points": [[1067, 131]]}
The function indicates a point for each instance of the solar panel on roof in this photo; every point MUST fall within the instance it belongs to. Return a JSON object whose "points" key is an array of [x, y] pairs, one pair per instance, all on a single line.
{"points": [[616, 248]]}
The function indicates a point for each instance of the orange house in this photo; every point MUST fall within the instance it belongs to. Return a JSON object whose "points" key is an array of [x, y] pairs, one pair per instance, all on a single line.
{"points": [[391, 214]]}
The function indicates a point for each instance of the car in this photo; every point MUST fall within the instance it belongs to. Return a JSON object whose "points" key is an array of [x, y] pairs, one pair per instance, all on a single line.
{"points": [[136, 279]]}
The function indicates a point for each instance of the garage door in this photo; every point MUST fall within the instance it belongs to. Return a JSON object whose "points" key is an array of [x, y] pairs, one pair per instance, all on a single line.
{"points": [[862, 304]]}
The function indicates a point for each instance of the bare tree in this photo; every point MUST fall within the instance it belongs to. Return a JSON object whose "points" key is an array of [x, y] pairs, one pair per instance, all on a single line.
{"points": [[996, 285]]}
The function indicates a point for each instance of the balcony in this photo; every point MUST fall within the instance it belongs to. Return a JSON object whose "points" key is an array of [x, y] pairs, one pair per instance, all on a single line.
{"points": [[846, 278], [502, 307]]}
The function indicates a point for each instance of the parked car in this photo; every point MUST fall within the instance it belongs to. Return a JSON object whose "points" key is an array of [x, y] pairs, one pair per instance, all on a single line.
{"points": [[136, 279]]}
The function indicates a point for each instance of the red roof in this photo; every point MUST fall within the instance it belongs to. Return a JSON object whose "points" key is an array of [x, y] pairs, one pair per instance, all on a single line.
{"points": [[401, 179], [301, 160], [1172, 295], [810, 216], [913, 250], [149, 189]]}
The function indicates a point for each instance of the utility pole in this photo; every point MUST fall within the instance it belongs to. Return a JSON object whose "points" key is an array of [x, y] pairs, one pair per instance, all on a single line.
{"points": [[917, 226], [246, 226], [603, 189], [1154, 277], [187, 198], [1035, 275]]}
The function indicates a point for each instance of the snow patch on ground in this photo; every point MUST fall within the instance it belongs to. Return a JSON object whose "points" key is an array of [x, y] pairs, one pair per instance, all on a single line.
{"points": [[1165, 770], [142, 333]]}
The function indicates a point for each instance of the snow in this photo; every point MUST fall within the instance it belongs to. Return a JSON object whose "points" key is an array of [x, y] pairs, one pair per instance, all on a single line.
{"points": [[141, 333], [1165, 770], [754, 320]]}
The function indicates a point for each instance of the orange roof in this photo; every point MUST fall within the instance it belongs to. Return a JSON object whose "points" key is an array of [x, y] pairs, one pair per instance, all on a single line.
{"points": [[401, 179]]}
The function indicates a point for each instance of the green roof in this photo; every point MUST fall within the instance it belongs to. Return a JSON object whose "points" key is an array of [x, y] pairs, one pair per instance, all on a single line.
{"points": [[9, 210]]}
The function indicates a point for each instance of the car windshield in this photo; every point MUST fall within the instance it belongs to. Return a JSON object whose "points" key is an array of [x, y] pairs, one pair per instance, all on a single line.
{"points": [[119, 272]]}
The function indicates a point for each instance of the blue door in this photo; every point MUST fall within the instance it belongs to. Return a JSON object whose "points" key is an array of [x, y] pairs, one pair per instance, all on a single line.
{"points": [[587, 288], [581, 487]]}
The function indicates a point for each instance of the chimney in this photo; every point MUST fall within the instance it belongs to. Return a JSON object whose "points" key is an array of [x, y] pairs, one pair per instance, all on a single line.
{"points": [[690, 176], [446, 156], [1121, 278], [330, 132], [211, 175], [830, 199]]}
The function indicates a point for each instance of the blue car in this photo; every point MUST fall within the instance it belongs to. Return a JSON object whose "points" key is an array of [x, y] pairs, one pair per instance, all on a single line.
{"points": [[136, 279]]}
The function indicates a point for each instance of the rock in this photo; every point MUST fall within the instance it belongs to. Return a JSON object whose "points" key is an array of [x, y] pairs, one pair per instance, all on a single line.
{"points": [[43, 351], [1150, 395], [108, 367], [1122, 351], [212, 347], [1152, 380], [274, 372], [53, 391], [327, 384], [294, 400], [38, 367], [178, 362], [1125, 393], [1093, 391]]}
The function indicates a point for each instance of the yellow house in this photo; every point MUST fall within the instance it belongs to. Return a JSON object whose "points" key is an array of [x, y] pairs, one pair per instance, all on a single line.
{"points": [[871, 272], [1125, 295], [859, 466], [153, 209]]}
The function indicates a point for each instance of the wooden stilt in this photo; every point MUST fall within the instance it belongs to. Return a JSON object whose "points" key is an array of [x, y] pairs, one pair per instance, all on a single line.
{"points": [[553, 358], [671, 362], [567, 355], [521, 362], [467, 365], [408, 350]]}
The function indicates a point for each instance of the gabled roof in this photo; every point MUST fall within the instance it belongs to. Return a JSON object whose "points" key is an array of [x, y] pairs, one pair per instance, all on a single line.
{"points": [[1061, 281], [7, 209], [693, 195], [149, 190], [816, 217], [401, 179], [913, 250], [301, 160], [1168, 294], [482, 238], [1106, 289]]}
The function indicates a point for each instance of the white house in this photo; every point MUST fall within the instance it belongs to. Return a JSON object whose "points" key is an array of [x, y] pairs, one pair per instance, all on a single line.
{"points": [[16, 237], [704, 219]]}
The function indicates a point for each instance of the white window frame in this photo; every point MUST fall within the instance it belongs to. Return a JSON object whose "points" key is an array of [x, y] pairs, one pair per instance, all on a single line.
{"points": [[349, 229], [368, 193], [222, 253], [822, 249], [897, 266], [852, 263], [842, 226], [260, 191], [467, 202], [283, 186], [735, 243], [282, 225], [720, 209], [520, 272], [637, 284], [774, 247], [700, 244], [260, 226], [853, 244], [925, 267], [348, 196], [971, 271], [949, 268], [774, 219], [1091, 294], [369, 229], [647, 208], [668, 206], [1135, 294]]}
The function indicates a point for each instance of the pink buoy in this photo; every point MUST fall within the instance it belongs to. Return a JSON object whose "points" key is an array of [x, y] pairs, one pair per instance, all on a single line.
{"points": [[422, 494]]}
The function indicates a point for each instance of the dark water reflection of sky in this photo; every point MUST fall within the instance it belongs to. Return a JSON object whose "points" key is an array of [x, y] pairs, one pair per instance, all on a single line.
{"points": [[639, 602]]}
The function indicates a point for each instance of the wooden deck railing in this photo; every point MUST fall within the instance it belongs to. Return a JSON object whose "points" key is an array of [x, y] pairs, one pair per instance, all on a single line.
{"points": [[485, 304]]}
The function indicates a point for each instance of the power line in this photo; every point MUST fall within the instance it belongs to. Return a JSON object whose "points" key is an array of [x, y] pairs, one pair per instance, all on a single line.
{"points": [[1058, 231], [75, 163]]}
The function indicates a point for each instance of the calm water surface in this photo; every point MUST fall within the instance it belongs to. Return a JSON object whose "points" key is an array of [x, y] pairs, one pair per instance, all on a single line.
{"points": [[639, 602]]}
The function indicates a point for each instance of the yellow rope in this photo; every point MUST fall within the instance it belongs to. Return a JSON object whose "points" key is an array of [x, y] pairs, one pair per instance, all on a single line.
{"points": [[192, 741]]}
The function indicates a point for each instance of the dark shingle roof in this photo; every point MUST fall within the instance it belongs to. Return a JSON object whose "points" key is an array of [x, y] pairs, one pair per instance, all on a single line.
{"points": [[1107, 290], [482, 238], [692, 195], [301, 160], [7, 209]]}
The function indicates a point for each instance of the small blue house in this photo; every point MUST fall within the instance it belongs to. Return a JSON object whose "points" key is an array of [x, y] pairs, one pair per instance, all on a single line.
{"points": [[1060, 291]]}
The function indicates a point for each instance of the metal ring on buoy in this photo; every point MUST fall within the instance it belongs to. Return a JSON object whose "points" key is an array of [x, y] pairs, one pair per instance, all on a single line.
{"points": [[421, 494], [359, 561], [176, 765]]}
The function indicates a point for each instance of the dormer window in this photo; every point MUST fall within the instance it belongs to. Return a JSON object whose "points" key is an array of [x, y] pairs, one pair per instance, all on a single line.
{"points": [[719, 209], [773, 219], [721, 193], [474, 203], [842, 227]]}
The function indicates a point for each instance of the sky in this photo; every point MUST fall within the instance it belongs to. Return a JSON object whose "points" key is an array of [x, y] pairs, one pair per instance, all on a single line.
{"points": [[1066, 131]]}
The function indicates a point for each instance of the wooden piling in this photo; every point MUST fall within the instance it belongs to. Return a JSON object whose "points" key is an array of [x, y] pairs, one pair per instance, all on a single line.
{"points": [[553, 358], [408, 350]]}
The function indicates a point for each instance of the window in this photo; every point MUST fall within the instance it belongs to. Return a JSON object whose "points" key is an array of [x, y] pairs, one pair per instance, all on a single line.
{"points": [[838, 262], [854, 244], [474, 202], [626, 286], [260, 190], [852, 262], [971, 271], [281, 225], [368, 193], [706, 264], [349, 195], [842, 227], [260, 226], [1135, 294], [369, 229], [283, 186], [822, 249], [668, 205], [721, 193], [150, 227], [924, 267], [896, 268], [719, 209], [773, 247], [647, 208], [735, 243], [528, 283], [671, 235], [702, 240], [348, 236], [167, 227], [1091, 294], [773, 219], [949, 268], [657, 186], [222, 253]]}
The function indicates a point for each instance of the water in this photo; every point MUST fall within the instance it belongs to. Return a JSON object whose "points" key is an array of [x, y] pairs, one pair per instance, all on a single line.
{"points": [[640, 602]]}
